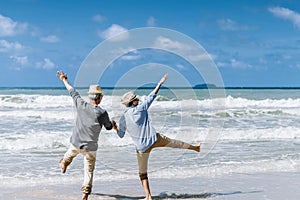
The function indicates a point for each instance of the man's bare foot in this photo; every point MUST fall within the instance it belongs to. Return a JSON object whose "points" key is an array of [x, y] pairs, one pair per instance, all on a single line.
{"points": [[63, 167], [85, 196], [148, 197]]}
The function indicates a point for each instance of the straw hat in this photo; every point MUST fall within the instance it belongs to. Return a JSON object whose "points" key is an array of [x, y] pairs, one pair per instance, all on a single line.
{"points": [[95, 89], [128, 97]]}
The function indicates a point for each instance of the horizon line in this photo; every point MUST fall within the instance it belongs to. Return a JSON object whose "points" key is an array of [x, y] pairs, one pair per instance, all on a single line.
{"points": [[163, 87]]}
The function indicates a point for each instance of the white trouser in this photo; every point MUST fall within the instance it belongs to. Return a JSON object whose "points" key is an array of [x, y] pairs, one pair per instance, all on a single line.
{"points": [[89, 165]]}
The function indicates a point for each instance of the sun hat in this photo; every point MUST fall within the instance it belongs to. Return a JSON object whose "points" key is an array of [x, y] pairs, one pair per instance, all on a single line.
{"points": [[128, 97], [95, 89]]}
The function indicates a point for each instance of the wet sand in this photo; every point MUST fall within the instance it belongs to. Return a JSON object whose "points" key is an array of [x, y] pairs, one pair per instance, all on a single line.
{"points": [[271, 186]]}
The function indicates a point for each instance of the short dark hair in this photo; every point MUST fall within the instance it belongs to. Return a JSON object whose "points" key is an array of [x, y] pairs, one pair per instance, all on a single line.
{"points": [[95, 96]]}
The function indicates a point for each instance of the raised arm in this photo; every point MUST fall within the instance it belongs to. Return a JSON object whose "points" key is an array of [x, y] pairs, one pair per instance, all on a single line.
{"points": [[63, 77], [159, 84]]}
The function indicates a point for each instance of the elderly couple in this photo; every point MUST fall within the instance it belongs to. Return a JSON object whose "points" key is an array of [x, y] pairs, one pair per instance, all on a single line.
{"points": [[90, 119]]}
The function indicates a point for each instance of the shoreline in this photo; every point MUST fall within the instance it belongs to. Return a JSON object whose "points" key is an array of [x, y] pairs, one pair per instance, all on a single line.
{"points": [[276, 185]]}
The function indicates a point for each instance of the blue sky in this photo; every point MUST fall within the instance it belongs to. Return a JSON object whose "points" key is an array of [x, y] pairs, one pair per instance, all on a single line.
{"points": [[252, 43]]}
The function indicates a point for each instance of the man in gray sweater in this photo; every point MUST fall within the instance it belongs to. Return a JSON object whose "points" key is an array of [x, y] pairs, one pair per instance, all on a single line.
{"points": [[84, 140]]}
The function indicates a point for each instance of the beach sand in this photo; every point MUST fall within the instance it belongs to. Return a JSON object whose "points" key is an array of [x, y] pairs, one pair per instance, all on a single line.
{"points": [[271, 186]]}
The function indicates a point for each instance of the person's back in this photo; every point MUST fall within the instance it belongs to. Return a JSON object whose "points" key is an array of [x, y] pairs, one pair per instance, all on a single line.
{"points": [[138, 124], [84, 140], [89, 121]]}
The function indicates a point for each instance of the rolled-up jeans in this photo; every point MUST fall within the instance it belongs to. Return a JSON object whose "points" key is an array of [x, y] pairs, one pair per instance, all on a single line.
{"points": [[162, 141], [89, 165]]}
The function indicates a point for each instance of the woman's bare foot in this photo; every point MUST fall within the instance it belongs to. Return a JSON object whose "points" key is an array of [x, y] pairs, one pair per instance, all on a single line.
{"points": [[63, 167], [198, 146]]}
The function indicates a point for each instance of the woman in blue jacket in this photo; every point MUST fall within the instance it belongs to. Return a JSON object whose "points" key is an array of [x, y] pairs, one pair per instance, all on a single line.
{"points": [[136, 121]]}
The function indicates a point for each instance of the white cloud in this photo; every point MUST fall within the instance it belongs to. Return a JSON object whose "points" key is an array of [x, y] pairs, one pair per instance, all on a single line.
{"points": [[239, 64], [99, 18], [188, 51], [8, 27], [133, 55], [6, 46], [130, 57], [167, 43], [181, 67], [50, 39], [233, 63], [287, 14], [230, 25], [45, 64], [199, 57], [113, 31], [151, 21], [23, 60], [124, 50], [227, 24], [48, 64]]}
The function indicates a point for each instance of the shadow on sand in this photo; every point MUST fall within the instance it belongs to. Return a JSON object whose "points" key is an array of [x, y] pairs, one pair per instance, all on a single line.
{"points": [[165, 195]]}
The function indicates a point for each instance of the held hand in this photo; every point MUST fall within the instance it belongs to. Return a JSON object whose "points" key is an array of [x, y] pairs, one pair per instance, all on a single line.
{"points": [[61, 75], [115, 126], [163, 79]]}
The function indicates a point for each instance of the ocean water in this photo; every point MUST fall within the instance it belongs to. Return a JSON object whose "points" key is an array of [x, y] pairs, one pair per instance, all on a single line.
{"points": [[260, 134]]}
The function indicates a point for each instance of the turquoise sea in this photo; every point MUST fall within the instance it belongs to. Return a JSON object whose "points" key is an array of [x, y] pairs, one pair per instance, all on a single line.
{"points": [[258, 132]]}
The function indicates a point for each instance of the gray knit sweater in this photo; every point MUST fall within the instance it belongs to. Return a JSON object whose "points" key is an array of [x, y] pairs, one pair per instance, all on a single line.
{"points": [[89, 122]]}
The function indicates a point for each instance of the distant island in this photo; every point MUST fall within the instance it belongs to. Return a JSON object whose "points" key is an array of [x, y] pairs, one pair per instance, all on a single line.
{"points": [[198, 86], [204, 86]]}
